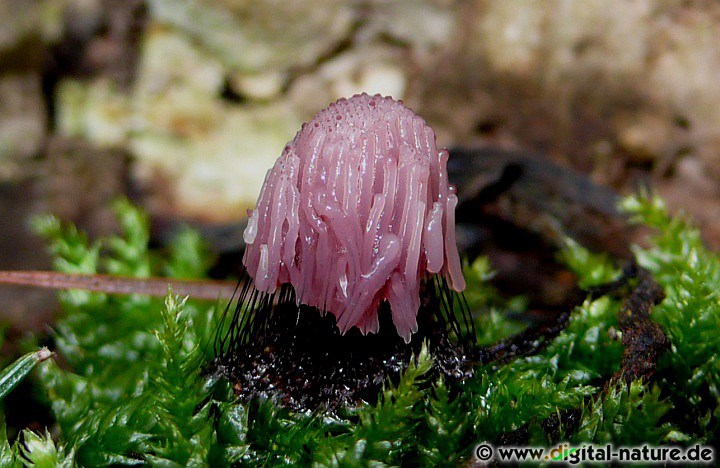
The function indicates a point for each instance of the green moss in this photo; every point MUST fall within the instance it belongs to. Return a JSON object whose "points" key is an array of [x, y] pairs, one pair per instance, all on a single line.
{"points": [[136, 394], [626, 415], [690, 314], [591, 268], [492, 315], [560, 377]]}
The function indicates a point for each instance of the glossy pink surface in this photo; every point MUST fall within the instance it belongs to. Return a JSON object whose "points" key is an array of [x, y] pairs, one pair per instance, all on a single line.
{"points": [[357, 210]]}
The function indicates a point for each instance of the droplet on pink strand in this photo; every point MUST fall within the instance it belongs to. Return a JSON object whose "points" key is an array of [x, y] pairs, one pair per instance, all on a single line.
{"points": [[357, 216]]}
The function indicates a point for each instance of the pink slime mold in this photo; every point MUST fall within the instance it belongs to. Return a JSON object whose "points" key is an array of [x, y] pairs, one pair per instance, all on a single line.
{"points": [[357, 210]]}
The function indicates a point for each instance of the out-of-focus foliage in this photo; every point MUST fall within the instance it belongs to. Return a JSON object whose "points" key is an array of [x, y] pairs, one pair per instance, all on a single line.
{"points": [[592, 269], [490, 312]]}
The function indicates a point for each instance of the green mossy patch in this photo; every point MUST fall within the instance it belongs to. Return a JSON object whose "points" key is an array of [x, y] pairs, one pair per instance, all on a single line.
{"points": [[134, 390]]}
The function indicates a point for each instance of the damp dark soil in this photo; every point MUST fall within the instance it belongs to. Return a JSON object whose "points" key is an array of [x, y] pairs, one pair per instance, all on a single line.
{"points": [[297, 356]]}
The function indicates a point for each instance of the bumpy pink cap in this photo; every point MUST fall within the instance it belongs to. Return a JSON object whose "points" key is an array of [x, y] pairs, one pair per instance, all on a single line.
{"points": [[357, 210]]}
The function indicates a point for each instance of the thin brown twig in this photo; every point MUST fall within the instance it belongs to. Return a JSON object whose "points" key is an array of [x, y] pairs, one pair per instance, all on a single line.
{"points": [[153, 286]]}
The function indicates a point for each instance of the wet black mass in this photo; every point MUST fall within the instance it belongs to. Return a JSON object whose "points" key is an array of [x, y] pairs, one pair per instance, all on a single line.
{"points": [[296, 356]]}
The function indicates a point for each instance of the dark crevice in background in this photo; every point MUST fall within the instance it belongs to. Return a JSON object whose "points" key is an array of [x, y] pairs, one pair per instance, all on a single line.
{"points": [[343, 45], [229, 94], [105, 44]]}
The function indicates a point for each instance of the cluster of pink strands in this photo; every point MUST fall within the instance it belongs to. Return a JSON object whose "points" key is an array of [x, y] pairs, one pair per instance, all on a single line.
{"points": [[357, 210]]}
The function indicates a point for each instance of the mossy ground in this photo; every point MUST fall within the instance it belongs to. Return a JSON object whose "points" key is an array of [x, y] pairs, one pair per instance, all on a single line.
{"points": [[132, 388]]}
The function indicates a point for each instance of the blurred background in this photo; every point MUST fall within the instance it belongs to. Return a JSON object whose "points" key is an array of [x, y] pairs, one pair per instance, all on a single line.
{"points": [[182, 105]]}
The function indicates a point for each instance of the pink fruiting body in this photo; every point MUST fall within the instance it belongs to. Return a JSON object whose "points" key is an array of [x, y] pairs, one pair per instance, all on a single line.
{"points": [[357, 210]]}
